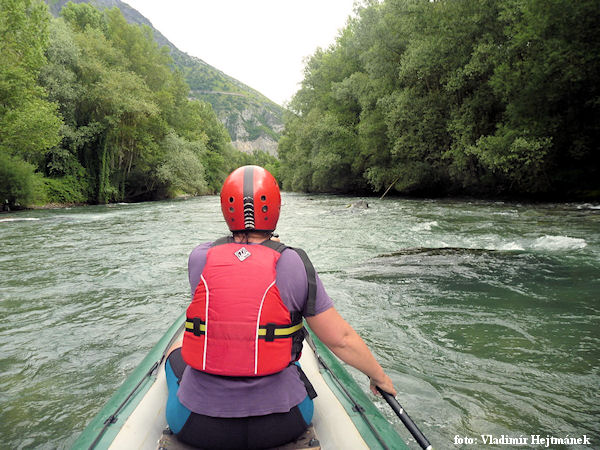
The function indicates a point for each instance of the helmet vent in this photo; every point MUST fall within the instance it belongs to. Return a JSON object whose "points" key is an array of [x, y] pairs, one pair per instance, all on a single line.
{"points": [[249, 213], [249, 223]]}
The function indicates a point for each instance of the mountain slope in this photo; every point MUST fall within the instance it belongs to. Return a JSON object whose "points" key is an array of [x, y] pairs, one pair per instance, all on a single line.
{"points": [[254, 122]]}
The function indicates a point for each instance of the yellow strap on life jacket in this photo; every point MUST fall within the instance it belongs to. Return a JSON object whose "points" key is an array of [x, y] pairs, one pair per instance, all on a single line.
{"points": [[280, 331], [189, 326]]}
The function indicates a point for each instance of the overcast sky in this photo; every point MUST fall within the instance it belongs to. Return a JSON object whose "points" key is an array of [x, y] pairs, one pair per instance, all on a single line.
{"points": [[261, 43]]}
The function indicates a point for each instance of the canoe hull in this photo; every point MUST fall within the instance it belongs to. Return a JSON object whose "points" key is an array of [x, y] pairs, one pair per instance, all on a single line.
{"points": [[134, 418]]}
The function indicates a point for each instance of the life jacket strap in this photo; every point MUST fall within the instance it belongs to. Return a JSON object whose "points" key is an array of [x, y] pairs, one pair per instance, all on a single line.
{"points": [[310, 390], [273, 245], [272, 331], [311, 277], [196, 326], [268, 332]]}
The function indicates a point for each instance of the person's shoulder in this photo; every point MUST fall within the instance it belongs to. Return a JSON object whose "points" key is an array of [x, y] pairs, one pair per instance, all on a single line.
{"points": [[290, 255], [293, 260], [200, 250]]}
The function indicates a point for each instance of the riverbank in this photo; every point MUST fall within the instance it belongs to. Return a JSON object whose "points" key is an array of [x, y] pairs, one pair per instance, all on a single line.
{"points": [[56, 205], [19, 208]]}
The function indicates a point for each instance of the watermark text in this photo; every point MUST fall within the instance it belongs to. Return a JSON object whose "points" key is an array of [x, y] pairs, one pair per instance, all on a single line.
{"points": [[532, 440]]}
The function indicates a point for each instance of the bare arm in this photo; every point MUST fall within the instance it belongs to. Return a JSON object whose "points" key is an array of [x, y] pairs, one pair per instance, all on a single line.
{"points": [[347, 345]]}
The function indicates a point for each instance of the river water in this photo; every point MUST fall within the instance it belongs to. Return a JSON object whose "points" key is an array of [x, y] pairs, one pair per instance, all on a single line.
{"points": [[485, 314]]}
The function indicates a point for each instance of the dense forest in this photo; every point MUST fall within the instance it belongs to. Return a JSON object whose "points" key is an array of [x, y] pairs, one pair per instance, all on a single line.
{"points": [[446, 97], [93, 111]]}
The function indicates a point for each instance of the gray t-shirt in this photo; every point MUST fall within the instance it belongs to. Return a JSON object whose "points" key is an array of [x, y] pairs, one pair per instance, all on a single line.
{"points": [[219, 396]]}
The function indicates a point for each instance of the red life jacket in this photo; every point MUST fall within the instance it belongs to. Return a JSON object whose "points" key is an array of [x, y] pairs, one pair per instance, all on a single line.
{"points": [[237, 324]]}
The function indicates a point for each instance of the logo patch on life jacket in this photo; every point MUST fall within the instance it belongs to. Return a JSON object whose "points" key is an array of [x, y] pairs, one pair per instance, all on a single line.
{"points": [[242, 254]]}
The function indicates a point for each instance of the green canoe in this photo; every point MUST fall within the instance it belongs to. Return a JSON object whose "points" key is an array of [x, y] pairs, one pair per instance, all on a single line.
{"points": [[344, 418]]}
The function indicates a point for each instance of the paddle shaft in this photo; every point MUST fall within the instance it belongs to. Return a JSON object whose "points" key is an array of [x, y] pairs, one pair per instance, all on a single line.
{"points": [[406, 420]]}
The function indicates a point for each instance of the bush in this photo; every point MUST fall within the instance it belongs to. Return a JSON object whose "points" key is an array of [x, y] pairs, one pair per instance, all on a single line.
{"points": [[68, 189], [18, 181]]}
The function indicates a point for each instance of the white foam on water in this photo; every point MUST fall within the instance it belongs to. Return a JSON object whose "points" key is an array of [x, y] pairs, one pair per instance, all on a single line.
{"points": [[588, 206], [425, 226], [558, 243], [19, 219], [510, 246]]}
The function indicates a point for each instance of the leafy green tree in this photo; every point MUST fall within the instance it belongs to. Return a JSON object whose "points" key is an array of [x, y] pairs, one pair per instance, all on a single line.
{"points": [[548, 78], [182, 171], [30, 129], [201, 123], [81, 16], [67, 180], [29, 124], [18, 181]]}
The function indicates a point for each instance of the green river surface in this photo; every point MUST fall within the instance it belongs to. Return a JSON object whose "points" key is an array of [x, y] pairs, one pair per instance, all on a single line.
{"points": [[485, 314]]}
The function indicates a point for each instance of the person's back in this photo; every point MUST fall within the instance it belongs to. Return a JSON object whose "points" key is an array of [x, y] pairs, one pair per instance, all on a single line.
{"points": [[235, 382]]}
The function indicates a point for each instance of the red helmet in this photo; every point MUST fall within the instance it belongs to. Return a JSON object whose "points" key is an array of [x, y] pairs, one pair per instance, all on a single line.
{"points": [[250, 199]]}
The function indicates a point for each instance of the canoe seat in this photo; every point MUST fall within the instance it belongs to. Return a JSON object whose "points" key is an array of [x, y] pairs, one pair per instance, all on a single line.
{"points": [[307, 441]]}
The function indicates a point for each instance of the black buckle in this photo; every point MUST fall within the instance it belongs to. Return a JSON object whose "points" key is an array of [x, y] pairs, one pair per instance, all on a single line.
{"points": [[197, 323], [270, 336]]}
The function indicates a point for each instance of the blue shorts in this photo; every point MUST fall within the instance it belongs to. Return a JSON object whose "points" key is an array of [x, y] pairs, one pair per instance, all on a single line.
{"points": [[207, 432]]}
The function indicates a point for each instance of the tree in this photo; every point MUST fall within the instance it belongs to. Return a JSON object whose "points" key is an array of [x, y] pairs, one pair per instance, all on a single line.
{"points": [[18, 181], [29, 124], [182, 170], [548, 77]]}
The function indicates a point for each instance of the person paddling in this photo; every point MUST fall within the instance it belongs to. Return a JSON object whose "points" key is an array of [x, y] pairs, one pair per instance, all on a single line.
{"points": [[234, 382]]}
